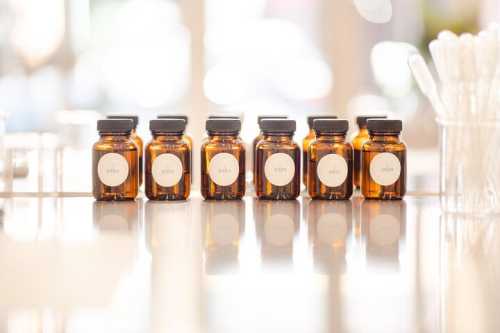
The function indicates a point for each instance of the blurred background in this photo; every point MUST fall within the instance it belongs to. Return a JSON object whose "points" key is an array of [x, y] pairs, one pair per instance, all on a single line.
{"points": [[66, 63]]}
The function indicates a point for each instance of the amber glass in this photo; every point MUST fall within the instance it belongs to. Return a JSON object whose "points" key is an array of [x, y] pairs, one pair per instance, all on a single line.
{"points": [[310, 137], [357, 143], [140, 146], [165, 143], [254, 157], [216, 144], [383, 143], [273, 144], [325, 144], [122, 144]]}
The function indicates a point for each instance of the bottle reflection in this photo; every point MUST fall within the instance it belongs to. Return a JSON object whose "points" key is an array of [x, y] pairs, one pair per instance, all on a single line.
{"points": [[224, 224], [329, 227], [117, 216], [174, 240], [383, 225], [277, 224]]}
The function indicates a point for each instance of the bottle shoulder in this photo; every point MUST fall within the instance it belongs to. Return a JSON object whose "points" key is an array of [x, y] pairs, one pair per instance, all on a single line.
{"points": [[115, 145], [378, 146]]}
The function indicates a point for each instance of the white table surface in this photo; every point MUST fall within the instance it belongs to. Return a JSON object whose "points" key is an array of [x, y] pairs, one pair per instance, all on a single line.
{"points": [[74, 265]]}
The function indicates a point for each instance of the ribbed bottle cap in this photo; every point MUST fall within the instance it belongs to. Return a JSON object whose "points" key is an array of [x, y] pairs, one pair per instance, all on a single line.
{"points": [[167, 125], [115, 125], [223, 125], [278, 125], [260, 118], [361, 120], [174, 116], [310, 119], [340, 126], [134, 118], [385, 125], [224, 116]]}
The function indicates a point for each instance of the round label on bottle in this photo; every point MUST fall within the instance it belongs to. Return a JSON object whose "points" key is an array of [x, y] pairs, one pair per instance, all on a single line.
{"points": [[385, 169], [279, 169], [112, 169], [167, 170], [332, 170], [224, 169]]}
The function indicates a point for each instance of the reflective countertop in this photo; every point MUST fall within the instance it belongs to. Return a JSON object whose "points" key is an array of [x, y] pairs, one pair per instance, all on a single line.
{"points": [[76, 265]]}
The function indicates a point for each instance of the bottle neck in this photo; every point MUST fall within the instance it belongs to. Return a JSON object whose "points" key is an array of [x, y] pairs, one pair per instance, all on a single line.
{"points": [[167, 136], [384, 137], [114, 136], [278, 137], [218, 136], [331, 137], [363, 131]]}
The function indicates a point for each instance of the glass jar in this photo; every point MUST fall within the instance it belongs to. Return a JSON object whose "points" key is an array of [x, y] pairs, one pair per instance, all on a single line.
{"points": [[383, 161], [258, 138], [359, 140], [115, 160], [311, 135], [329, 174], [223, 161], [168, 161], [137, 140], [185, 136], [278, 161]]}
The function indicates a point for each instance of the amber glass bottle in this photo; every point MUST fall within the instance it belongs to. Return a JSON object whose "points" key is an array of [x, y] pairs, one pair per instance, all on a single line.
{"points": [[168, 161], [358, 142], [330, 161], [223, 161], [186, 137], [258, 138], [115, 159], [137, 140], [278, 161], [383, 161], [311, 135]]}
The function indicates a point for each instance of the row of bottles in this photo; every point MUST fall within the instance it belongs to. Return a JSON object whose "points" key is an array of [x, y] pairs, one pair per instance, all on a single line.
{"points": [[377, 163]]}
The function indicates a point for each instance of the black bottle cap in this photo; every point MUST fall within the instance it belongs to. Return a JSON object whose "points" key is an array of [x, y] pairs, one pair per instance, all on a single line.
{"points": [[224, 116], [340, 126], [135, 119], [260, 118], [278, 126], [167, 125], [310, 119], [385, 126], [361, 120], [223, 125], [174, 116], [115, 125]]}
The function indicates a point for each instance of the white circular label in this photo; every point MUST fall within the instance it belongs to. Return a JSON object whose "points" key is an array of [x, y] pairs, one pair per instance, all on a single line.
{"points": [[385, 169], [279, 169], [112, 169], [224, 169], [332, 170], [167, 170]]}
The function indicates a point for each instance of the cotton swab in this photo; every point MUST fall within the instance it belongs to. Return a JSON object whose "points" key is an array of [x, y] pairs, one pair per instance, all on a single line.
{"points": [[426, 82]]}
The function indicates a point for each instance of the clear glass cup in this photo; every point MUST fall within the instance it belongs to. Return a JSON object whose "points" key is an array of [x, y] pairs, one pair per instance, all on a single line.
{"points": [[470, 167]]}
